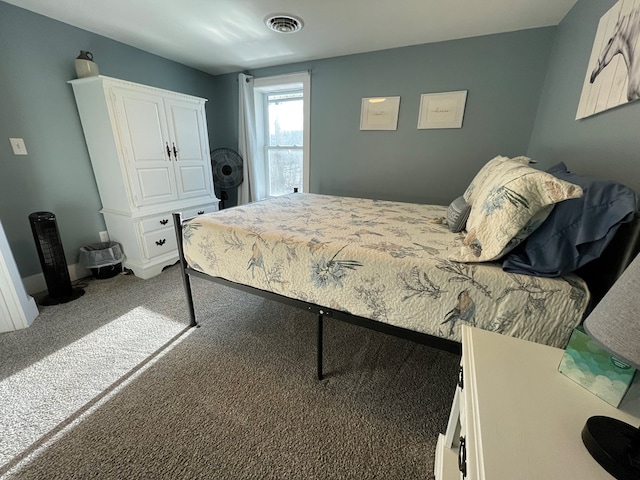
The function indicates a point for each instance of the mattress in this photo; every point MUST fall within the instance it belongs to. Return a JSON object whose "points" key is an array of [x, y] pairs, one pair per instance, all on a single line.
{"points": [[383, 260]]}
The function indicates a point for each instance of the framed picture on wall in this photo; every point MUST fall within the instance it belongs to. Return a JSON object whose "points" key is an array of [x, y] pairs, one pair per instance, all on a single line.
{"points": [[610, 79], [442, 110], [379, 113]]}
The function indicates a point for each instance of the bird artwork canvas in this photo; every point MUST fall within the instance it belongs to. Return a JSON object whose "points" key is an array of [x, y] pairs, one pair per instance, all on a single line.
{"points": [[613, 72]]}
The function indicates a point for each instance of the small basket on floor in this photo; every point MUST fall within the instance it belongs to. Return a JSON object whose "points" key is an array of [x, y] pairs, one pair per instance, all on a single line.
{"points": [[103, 259]]}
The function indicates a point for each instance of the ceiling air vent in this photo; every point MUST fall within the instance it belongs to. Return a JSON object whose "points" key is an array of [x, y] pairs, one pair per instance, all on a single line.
{"points": [[284, 23]]}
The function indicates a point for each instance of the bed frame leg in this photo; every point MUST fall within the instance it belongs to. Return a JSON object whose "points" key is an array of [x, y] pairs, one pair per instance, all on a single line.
{"points": [[187, 289], [177, 223], [319, 350]]}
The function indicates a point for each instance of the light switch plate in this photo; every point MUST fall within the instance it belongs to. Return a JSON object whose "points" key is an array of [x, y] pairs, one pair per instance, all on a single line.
{"points": [[18, 146]]}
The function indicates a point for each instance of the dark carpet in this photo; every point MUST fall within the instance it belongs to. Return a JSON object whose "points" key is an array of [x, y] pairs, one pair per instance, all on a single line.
{"points": [[237, 398]]}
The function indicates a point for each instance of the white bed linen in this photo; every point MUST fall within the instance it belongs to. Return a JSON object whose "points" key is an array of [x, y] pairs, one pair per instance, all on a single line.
{"points": [[383, 260]]}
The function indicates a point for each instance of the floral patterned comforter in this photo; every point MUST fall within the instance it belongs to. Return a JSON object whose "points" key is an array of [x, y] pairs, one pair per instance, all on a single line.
{"points": [[383, 260]]}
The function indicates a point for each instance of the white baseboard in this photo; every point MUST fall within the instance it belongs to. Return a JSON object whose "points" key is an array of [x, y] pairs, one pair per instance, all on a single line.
{"points": [[36, 283]]}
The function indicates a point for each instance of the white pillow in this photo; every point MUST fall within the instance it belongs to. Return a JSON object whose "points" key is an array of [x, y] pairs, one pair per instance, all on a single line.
{"points": [[508, 207], [486, 173]]}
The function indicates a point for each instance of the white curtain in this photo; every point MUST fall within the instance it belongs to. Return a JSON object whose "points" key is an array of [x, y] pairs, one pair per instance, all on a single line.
{"points": [[252, 189]]}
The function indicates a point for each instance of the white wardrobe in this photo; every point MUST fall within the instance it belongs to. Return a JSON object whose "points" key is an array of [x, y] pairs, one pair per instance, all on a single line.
{"points": [[150, 154]]}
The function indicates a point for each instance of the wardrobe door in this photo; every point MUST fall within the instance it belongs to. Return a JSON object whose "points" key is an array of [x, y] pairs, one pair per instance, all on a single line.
{"points": [[147, 155], [190, 147]]}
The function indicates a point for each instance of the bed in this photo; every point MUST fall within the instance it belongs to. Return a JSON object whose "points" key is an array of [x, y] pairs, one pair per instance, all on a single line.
{"points": [[391, 266]]}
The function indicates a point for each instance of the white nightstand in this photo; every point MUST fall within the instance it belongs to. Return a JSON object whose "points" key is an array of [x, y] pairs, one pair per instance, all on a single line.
{"points": [[519, 417]]}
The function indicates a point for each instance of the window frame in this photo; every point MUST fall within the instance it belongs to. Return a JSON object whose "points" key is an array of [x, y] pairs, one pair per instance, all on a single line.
{"points": [[268, 147], [280, 83]]}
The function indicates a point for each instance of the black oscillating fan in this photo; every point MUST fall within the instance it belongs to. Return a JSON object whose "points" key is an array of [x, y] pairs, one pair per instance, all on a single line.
{"points": [[227, 172]]}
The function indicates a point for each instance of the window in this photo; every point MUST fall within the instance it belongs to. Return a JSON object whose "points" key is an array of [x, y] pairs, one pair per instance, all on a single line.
{"points": [[284, 141], [282, 117]]}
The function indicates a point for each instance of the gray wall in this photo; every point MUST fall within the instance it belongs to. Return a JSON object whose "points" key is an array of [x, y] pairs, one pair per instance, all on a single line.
{"points": [[510, 77], [503, 74], [36, 103], [606, 145]]}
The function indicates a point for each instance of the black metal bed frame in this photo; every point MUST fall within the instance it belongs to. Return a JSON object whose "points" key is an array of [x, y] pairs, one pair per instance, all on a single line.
{"points": [[320, 311]]}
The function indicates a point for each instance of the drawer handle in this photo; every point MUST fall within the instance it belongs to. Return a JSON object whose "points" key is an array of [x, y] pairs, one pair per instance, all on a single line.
{"points": [[460, 378], [161, 242], [462, 457], [164, 221], [200, 212]]}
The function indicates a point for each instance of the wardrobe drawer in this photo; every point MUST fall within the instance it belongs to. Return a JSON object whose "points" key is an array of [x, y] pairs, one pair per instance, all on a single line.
{"points": [[160, 242], [156, 223], [194, 212]]}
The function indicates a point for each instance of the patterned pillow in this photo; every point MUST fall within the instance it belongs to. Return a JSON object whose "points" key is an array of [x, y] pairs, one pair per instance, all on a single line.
{"points": [[508, 207], [457, 214], [486, 173]]}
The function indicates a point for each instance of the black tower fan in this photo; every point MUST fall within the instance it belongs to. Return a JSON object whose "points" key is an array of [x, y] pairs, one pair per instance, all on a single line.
{"points": [[227, 172], [52, 259]]}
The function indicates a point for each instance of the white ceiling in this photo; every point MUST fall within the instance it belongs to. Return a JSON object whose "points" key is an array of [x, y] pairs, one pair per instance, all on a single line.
{"points": [[222, 36]]}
